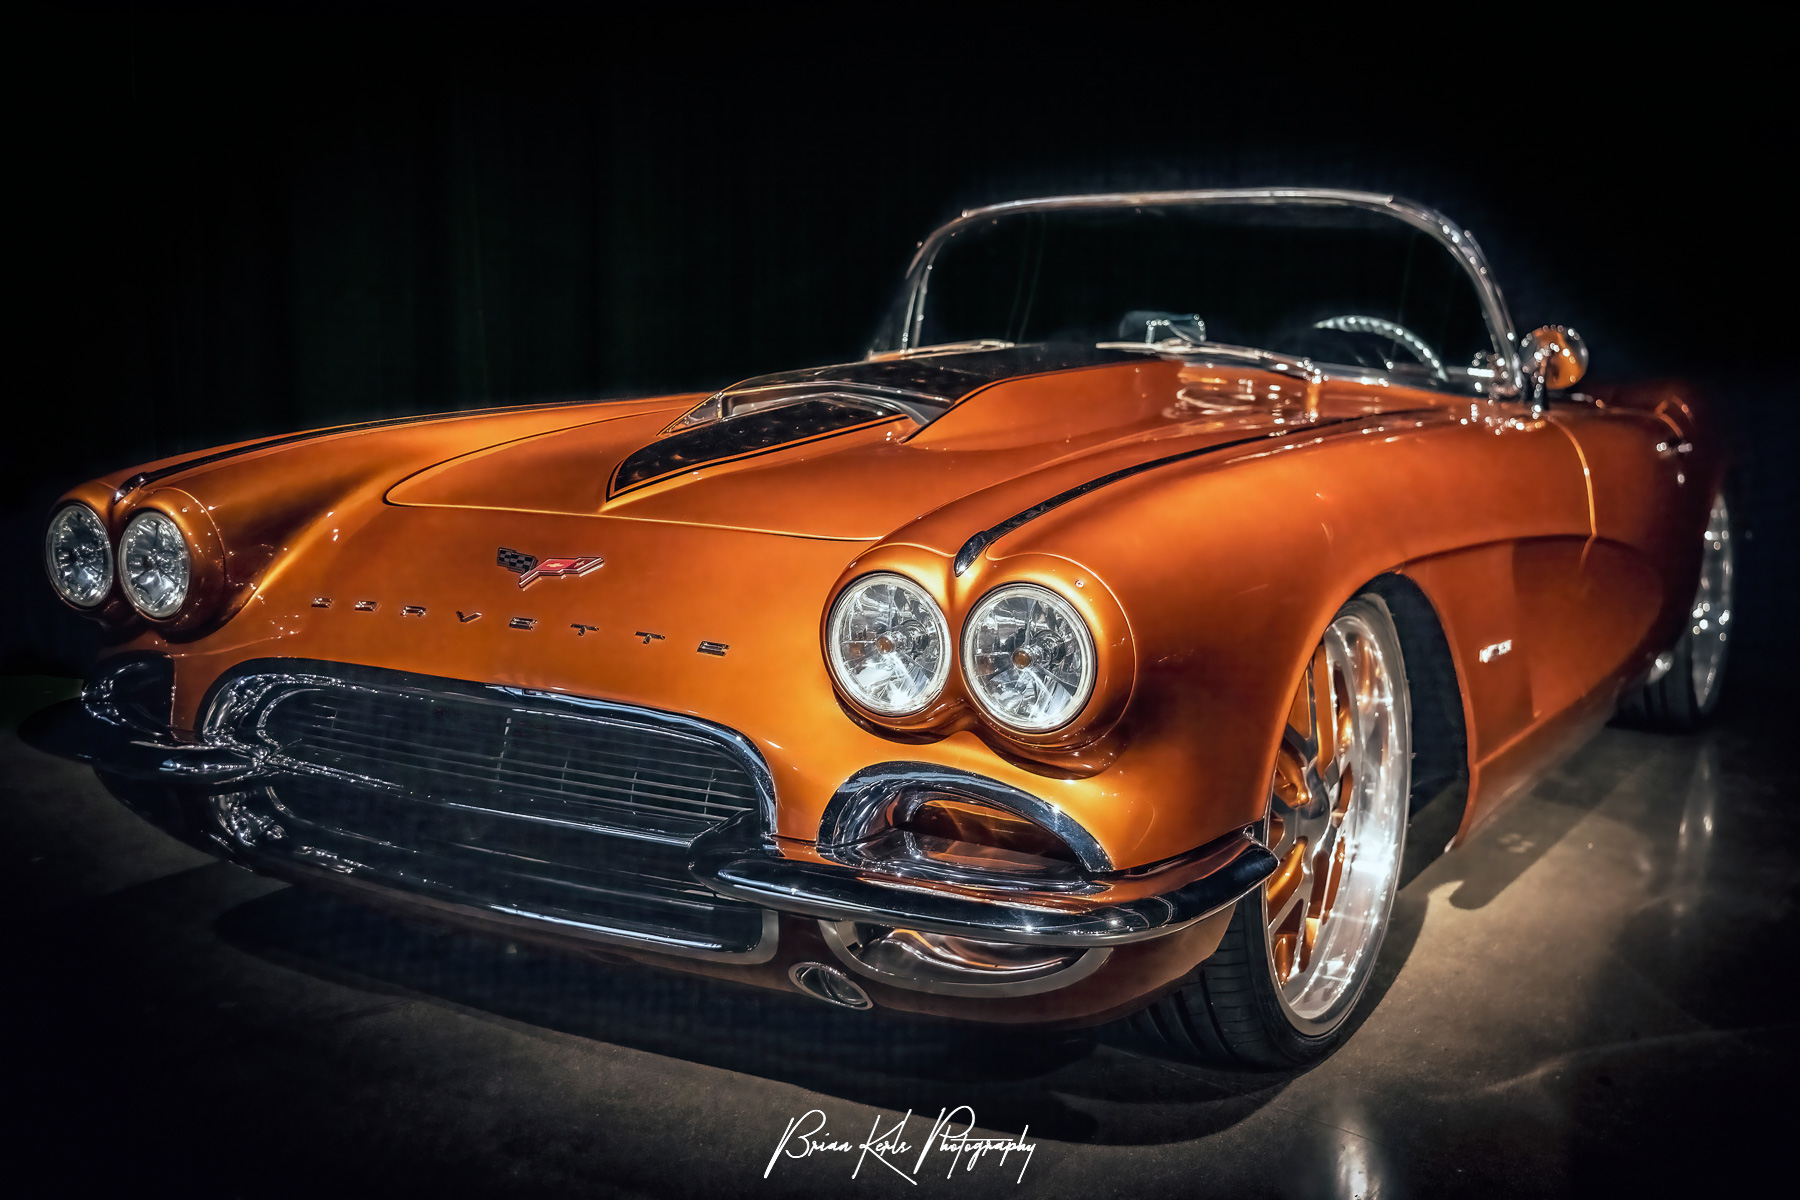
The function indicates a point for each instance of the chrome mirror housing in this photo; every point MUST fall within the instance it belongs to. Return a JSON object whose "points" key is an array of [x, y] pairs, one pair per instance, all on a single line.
{"points": [[1551, 358]]}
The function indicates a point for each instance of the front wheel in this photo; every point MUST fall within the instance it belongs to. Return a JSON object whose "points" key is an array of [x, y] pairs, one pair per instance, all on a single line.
{"points": [[1301, 949]]}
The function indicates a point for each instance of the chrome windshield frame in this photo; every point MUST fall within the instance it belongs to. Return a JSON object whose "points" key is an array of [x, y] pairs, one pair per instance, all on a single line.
{"points": [[1460, 242]]}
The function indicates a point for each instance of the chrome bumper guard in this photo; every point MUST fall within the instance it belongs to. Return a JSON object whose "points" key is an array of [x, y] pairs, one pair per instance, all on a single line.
{"points": [[1121, 907], [106, 739]]}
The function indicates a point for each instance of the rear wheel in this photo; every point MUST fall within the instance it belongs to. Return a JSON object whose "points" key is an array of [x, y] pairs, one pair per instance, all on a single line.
{"points": [[1300, 951], [1684, 685]]}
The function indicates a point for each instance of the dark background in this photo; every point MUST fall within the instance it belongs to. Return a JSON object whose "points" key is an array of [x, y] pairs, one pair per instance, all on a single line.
{"points": [[228, 225]]}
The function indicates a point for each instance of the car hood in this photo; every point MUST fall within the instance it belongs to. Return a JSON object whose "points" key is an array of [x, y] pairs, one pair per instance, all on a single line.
{"points": [[855, 452], [411, 545]]}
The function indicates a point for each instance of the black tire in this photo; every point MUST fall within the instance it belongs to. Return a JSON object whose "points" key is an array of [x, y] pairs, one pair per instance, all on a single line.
{"points": [[1227, 1013], [1672, 703]]}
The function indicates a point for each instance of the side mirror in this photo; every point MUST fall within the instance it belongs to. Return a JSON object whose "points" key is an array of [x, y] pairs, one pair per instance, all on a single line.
{"points": [[1551, 358]]}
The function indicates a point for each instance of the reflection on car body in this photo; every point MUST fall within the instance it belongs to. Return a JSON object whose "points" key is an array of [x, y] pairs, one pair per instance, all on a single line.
{"points": [[1078, 655]]}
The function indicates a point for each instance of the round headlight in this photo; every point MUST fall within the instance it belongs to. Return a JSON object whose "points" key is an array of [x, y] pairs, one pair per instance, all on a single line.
{"points": [[888, 645], [78, 556], [1028, 657], [154, 564]]}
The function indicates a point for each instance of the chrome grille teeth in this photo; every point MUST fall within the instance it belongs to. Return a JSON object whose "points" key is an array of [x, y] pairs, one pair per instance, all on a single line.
{"points": [[531, 764], [524, 806]]}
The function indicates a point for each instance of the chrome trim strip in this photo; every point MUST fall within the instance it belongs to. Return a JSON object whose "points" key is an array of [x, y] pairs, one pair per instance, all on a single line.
{"points": [[761, 952], [1460, 242], [523, 920]]}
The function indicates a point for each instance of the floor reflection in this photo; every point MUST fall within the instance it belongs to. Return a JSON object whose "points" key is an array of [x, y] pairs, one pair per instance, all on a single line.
{"points": [[1588, 997], [1693, 839]]}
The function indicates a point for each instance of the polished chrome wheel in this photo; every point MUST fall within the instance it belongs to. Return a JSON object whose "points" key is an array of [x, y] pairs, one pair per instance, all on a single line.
{"points": [[1337, 823], [1299, 951], [1710, 627]]}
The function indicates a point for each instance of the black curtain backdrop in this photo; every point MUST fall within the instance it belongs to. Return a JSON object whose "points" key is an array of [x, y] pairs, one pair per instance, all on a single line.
{"points": [[230, 225]]}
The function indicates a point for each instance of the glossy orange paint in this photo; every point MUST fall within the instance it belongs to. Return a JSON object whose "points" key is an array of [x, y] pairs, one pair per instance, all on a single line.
{"points": [[1572, 537]]}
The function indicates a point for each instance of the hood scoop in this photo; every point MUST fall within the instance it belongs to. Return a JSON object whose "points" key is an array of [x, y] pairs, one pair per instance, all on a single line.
{"points": [[738, 423], [771, 412]]}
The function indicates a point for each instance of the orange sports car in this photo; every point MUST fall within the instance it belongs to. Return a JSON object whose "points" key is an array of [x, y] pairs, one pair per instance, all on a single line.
{"points": [[1079, 654]]}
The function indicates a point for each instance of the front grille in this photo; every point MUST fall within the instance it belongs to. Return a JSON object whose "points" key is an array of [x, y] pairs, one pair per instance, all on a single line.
{"points": [[575, 812], [540, 765]]}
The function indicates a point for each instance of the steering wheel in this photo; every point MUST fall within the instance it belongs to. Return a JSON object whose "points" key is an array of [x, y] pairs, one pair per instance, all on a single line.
{"points": [[1415, 345]]}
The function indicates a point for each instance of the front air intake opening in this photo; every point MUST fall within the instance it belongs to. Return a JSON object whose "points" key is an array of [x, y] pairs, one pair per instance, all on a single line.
{"points": [[961, 839], [949, 964], [923, 821], [952, 828]]}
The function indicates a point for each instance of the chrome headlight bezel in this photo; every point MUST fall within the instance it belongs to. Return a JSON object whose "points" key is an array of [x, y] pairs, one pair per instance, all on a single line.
{"points": [[154, 523], [1081, 640], [60, 523], [842, 670]]}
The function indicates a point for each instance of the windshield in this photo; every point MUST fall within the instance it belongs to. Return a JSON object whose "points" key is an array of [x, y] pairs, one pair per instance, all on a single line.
{"points": [[1333, 283]]}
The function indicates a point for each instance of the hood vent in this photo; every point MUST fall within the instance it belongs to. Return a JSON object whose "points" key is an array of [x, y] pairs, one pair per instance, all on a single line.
{"points": [[726, 427], [771, 412]]}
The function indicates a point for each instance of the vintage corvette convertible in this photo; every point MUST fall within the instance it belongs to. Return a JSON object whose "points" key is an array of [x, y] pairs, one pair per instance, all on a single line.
{"points": [[1079, 655]]}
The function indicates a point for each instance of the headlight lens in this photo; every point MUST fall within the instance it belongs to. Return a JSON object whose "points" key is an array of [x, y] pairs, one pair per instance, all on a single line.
{"points": [[889, 645], [78, 556], [1028, 657], [154, 564]]}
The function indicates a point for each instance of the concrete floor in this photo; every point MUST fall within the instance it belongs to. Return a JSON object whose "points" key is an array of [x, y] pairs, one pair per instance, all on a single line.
{"points": [[1591, 996]]}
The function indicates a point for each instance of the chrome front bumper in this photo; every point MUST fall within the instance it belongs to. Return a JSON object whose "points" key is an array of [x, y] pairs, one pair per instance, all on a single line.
{"points": [[736, 860]]}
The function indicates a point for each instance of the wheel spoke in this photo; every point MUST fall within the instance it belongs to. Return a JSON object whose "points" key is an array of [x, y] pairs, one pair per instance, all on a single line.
{"points": [[1287, 884], [1290, 773], [1324, 726], [1328, 873], [1282, 956]]}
